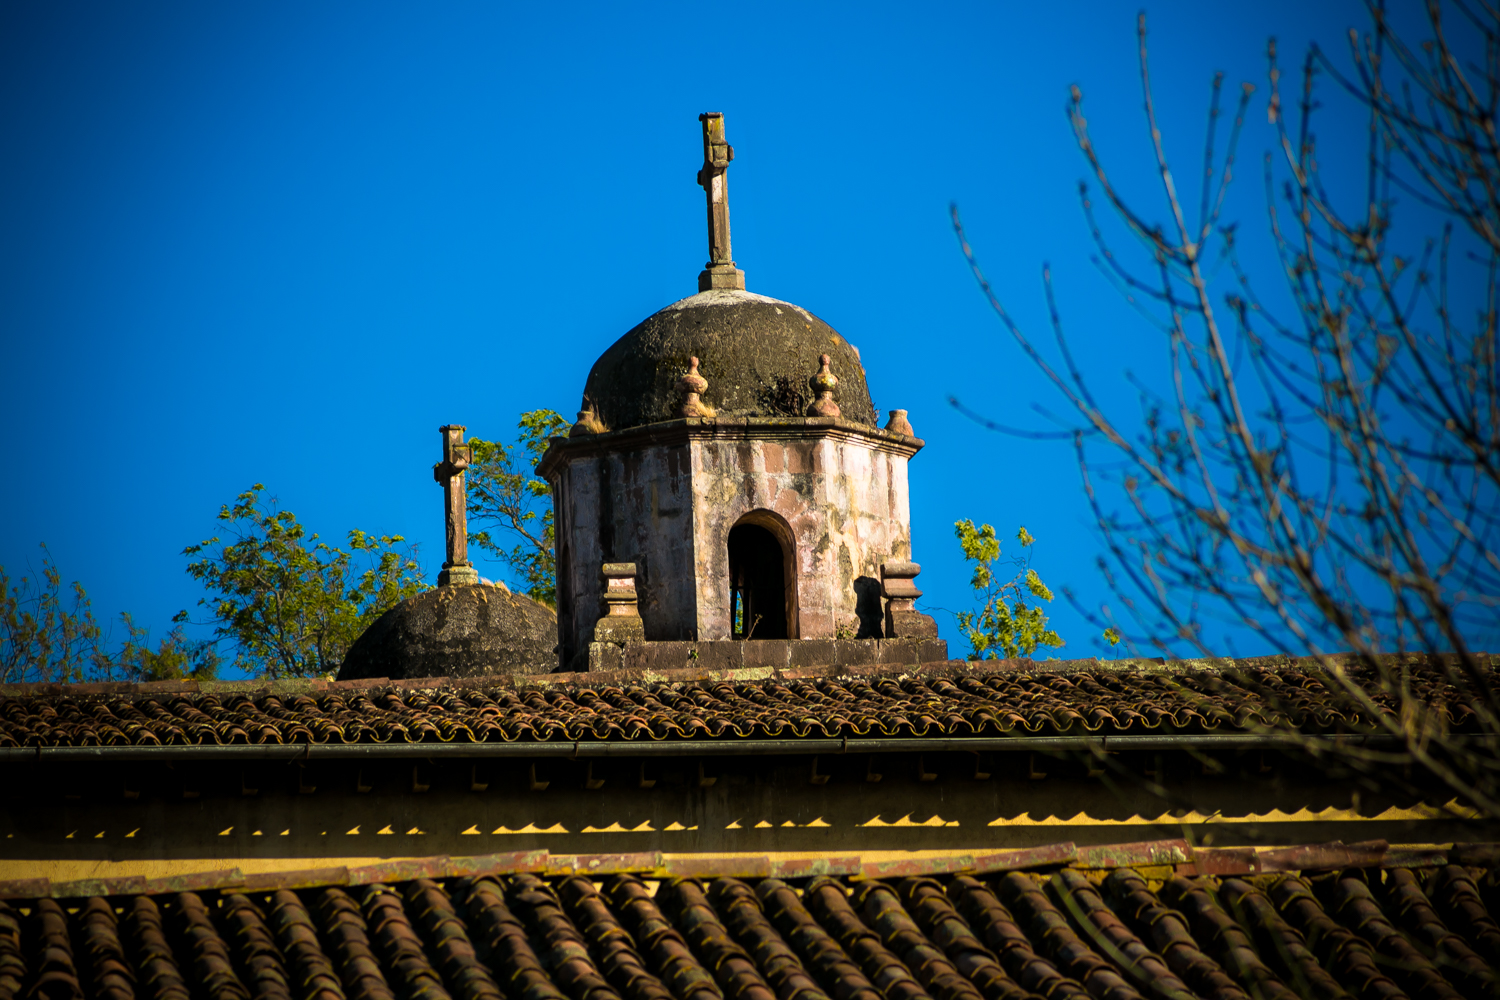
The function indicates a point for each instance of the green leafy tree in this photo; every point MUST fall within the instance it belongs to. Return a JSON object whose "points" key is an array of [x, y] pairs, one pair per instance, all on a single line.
{"points": [[47, 631], [1008, 623], [291, 604], [505, 491]]}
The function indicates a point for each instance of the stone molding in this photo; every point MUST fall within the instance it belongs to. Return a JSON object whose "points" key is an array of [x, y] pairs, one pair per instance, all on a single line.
{"points": [[735, 654], [687, 429]]}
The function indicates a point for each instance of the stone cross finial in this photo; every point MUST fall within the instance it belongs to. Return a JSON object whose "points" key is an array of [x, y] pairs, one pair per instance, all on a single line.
{"points": [[450, 472], [693, 386], [720, 271], [823, 384]]}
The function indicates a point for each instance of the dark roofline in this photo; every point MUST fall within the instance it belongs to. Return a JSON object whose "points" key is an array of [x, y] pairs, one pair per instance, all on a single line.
{"points": [[708, 747]]}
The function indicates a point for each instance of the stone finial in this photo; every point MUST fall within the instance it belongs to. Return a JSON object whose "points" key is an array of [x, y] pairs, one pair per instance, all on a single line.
{"points": [[621, 621], [693, 386], [588, 422], [823, 384], [450, 473], [898, 424], [902, 619]]}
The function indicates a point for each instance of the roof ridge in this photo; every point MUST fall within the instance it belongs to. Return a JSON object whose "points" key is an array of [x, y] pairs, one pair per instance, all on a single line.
{"points": [[935, 668]]}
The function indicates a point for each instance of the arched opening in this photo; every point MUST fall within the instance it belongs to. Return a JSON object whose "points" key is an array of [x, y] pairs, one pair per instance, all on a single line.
{"points": [[758, 588]]}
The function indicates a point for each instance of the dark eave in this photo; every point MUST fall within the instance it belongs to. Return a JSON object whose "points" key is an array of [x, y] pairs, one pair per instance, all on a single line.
{"points": [[710, 747]]}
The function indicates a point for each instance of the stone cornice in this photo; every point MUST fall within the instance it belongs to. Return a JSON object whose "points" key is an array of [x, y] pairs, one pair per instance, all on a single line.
{"points": [[684, 430]]}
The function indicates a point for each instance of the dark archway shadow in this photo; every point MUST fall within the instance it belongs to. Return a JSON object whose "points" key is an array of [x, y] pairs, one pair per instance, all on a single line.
{"points": [[868, 608], [757, 584]]}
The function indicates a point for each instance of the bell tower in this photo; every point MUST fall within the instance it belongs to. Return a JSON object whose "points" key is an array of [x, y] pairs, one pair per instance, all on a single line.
{"points": [[727, 483]]}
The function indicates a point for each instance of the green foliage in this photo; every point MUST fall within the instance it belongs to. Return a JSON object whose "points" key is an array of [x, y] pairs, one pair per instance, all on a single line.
{"points": [[504, 491], [47, 631], [291, 604], [1007, 624], [48, 634], [175, 658]]}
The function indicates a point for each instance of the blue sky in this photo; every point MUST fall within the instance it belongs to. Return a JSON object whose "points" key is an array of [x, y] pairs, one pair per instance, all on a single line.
{"points": [[281, 243]]}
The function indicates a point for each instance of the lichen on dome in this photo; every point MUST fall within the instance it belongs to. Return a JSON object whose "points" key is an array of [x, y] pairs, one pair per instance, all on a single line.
{"points": [[457, 631], [756, 352]]}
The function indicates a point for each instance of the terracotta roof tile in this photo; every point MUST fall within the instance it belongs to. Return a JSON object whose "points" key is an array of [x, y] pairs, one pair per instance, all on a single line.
{"points": [[157, 971], [1106, 934], [941, 700], [297, 937], [613, 947], [1211, 929], [347, 945]]}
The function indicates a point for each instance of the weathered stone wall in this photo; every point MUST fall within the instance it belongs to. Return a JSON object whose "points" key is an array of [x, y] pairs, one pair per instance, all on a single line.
{"points": [[666, 496], [631, 505], [844, 504]]}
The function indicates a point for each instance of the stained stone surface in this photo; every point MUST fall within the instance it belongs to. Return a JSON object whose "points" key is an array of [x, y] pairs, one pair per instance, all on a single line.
{"points": [[757, 354], [834, 493], [463, 631]]}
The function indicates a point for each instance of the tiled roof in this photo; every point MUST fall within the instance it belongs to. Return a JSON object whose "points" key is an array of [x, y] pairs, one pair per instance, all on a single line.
{"points": [[937, 700], [1065, 933]]}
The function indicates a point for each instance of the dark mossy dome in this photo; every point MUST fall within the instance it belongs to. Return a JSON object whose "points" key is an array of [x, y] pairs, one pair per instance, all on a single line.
{"points": [[757, 354], [463, 631]]}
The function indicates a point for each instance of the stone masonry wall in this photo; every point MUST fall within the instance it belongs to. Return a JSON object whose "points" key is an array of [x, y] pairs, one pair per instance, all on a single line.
{"points": [[628, 506], [666, 497], [845, 505]]}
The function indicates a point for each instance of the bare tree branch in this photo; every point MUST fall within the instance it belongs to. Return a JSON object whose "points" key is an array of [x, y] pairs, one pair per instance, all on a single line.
{"points": [[1325, 477]]}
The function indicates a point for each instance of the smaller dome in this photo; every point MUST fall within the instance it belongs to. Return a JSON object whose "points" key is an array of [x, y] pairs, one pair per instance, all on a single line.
{"points": [[463, 631]]}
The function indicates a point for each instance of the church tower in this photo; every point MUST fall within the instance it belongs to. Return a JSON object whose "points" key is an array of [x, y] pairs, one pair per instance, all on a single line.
{"points": [[727, 478]]}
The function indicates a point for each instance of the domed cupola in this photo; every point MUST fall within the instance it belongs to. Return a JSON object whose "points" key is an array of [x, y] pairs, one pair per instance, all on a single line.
{"points": [[755, 352], [726, 477]]}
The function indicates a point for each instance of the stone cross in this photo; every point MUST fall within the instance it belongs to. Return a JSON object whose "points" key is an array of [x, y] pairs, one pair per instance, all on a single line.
{"points": [[720, 271], [450, 472]]}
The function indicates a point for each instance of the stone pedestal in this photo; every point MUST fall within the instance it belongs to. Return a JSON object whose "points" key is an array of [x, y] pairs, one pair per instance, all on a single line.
{"points": [[721, 276], [619, 630], [621, 621], [458, 576], [902, 619]]}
